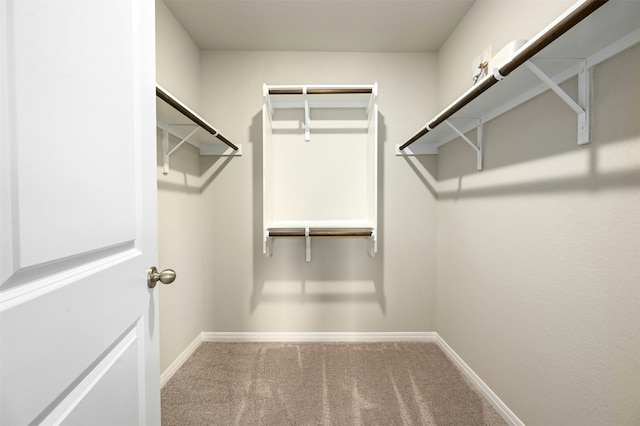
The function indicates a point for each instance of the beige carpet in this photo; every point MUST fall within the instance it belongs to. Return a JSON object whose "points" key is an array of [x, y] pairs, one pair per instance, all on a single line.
{"points": [[322, 384]]}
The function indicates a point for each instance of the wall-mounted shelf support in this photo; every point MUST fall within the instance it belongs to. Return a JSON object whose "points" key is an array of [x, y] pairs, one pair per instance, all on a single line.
{"points": [[166, 152], [186, 134], [267, 245], [177, 119], [372, 244], [266, 100], [308, 244], [307, 119], [477, 148], [582, 107]]}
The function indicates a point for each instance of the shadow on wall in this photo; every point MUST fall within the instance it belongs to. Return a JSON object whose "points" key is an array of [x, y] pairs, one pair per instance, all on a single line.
{"points": [[341, 271]]}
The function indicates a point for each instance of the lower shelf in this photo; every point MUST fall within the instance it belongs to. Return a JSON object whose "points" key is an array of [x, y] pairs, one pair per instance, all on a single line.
{"points": [[313, 232], [308, 233]]}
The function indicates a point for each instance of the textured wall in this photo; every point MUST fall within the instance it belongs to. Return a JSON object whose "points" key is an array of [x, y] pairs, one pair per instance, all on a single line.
{"points": [[179, 201], [538, 255], [342, 289]]}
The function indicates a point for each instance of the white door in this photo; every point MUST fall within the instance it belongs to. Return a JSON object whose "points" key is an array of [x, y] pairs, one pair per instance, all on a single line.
{"points": [[78, 324]]}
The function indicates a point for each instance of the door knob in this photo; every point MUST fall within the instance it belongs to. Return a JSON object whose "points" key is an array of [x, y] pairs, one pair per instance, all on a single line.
{"points": [[165, 277]]}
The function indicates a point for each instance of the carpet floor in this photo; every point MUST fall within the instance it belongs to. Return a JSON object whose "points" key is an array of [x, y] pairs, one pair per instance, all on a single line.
{"points": [[322, 384]]}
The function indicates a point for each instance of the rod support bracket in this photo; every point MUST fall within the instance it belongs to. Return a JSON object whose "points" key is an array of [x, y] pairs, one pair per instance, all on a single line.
{"points": [[372, 244], [582, 107], [267, 244], [307, 125], [166, 152], [477, 147], [308, 244]]}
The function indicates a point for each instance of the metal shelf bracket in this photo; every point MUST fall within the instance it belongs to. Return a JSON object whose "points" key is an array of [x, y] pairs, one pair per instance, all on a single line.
{"points": [[166, 153], [372, 244], [307, 120], [582, 107], [204, 148], [267, 98], [477, 148], [267, 245], [308, 242]]}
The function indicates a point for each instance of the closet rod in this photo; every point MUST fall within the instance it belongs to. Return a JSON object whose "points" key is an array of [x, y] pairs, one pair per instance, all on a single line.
{"points": [[318, 233], [533, 47], [179, 106], [311, 91]]}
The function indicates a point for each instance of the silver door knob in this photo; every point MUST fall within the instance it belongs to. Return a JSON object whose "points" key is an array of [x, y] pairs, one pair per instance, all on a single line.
{"points": [[165, 277]]}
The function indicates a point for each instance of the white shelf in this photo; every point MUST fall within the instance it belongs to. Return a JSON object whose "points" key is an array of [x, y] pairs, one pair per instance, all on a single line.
{"points": [[320, 168], [346, 96], [322, 224], [613, 27]]}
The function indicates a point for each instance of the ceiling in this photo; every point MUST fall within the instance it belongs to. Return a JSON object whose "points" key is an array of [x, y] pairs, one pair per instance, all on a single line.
{"points": [[320, 25]]}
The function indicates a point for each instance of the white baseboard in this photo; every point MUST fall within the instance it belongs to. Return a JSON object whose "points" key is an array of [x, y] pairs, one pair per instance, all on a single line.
{"points": [[320, 337], [480, 385], [175, 365], [429, 336]]}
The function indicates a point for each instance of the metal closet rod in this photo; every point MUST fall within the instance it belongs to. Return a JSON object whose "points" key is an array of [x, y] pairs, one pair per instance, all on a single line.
{"points": [[328, 91], [536, 46], [318, 233], [192, 116]]}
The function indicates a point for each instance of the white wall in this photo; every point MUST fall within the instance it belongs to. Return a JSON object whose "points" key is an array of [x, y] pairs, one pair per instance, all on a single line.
{"points": [[342, 289], [538, 270], [179, 201]]}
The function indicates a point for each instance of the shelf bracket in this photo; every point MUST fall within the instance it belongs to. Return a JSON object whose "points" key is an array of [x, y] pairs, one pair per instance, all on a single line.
{"points": [[165, 150], [267, 244], [166, 153], [372, 244], [308, 242], [307, 126], [477, 148], [372, 99], [582, 107], [267, 98], [203, 147]]}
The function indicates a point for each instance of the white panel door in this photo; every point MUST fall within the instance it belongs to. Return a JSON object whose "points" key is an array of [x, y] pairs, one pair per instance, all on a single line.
{"points": [[78, 324]]}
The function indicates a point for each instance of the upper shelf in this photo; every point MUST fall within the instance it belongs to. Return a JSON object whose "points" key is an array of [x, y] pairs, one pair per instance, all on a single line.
{"points": [[309, 97], [320, 96], [575, 41], [175, 118], [175, 113]]}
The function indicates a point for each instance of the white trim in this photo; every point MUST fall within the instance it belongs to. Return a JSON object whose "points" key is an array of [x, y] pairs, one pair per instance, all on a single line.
{"points": [[480, 385], [319, 337], [182, 358]]}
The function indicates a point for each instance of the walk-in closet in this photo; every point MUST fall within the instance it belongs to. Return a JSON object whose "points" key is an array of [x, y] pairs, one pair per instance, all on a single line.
{"points": [[480, 193]]}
